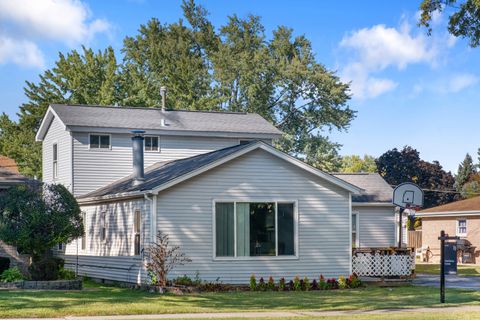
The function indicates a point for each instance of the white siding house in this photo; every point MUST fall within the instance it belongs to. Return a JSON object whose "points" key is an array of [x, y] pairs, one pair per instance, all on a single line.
{"points": [[215, 184]]}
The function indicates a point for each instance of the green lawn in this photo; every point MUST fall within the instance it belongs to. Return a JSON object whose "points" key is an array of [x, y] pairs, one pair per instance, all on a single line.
{"points": [[463, 270], [105, 300], [469, 315]]}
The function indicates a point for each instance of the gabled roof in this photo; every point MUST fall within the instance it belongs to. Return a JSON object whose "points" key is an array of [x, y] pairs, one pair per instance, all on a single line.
{"points": [[124, 119], [461, 207], [163, 175], [375, 188]]}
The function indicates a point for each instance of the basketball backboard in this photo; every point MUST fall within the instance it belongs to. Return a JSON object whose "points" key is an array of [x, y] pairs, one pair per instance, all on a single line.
{"points": [[408, 195]]}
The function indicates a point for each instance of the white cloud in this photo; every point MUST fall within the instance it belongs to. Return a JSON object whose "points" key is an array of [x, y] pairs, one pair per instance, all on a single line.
{"points": [[22, 52], [462, 81], [380, 47], [30, 21]]}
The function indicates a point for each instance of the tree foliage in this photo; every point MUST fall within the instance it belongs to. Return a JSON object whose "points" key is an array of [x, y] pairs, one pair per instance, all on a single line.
{"points": [[34, 219], [463, 21], [466, 170], [406, 166], [355, 163], [237, 67]]}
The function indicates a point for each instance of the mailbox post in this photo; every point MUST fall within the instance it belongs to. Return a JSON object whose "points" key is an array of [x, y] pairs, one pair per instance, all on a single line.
{"points": [[450, 263]]}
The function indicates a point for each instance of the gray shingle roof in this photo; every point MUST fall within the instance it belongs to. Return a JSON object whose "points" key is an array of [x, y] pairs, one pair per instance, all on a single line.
{"points": [[8, 178], [176, 120], [376, 189], [163, 172]]}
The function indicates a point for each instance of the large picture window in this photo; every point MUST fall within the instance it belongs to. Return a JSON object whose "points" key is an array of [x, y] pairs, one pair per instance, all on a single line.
{"points": [[252, 229]]}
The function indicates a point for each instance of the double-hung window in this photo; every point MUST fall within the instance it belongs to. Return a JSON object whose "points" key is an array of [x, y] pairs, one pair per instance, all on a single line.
{"points": [[55, 160], [462, 227], [99, 141], [355, 236], [136, 227], [84, 236], [152, 144], [253, 229]]}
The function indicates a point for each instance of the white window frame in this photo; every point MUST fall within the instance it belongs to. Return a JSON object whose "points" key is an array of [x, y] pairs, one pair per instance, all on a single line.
{"points": [[357, 230], [84, 236], [249, 200], [145, 145], [60, 246], [139, 233], [461, 234], [54, 162], [100, 134]]}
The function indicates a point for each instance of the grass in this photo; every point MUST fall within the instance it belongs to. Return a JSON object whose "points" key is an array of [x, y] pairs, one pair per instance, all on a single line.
{"points": [[469, 315], [462, 270], [107, 300]]}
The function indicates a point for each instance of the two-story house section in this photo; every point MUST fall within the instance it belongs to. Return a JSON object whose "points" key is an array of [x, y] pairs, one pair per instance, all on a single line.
{"points": [[87, 147]]}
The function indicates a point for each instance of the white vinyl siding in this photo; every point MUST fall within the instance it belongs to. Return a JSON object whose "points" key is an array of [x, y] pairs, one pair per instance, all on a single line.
{"points": [[376, 226], [57, 135], [95, 168], [185, 213]]}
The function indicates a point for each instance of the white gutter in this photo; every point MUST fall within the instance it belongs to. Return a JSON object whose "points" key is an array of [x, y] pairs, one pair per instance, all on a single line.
{"points": [[448, 214], [373, 204]]}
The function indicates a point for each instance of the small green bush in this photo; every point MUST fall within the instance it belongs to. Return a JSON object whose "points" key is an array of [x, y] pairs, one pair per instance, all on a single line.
{"points": [[4, 264], [297, 285], [66, 274], [11, 275], [183, 281], [253, 282], [45, 269], [271, 284], [281, 284], [342, 282]]}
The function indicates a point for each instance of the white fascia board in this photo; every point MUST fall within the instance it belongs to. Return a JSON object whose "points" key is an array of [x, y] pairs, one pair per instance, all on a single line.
{"points": [[112, 197], [448, 214], [186, 133], [49, 116]]}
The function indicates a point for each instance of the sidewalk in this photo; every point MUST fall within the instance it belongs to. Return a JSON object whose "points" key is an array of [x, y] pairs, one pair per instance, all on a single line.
{"points": [[256, 315]]}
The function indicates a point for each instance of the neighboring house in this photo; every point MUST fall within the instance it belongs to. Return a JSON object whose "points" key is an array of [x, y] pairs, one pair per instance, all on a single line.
{"points": [[213, 182], [9, 177], [459, 218], [373, 214]]}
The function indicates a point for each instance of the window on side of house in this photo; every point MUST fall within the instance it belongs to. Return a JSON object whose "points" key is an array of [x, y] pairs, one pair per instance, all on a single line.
{"points": [[355, 238], [100, 141], [252, 229], [55, 160], [60, 246], [84, 237], [462, 227], [137, 220], [152, 144], [103, 226]]}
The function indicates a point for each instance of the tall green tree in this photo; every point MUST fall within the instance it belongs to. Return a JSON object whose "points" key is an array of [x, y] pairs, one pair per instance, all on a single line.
{"points": [[235, 68], [463, 20], [77, 78], [398, 166], [355, 163], [466, 170]]}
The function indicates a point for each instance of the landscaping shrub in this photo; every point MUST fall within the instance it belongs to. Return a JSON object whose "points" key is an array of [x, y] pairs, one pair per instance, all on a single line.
{"points": [[315, 285], [281, 284], [332, 284], [297, 286], [353, 281], [271, 284], [4, 264], [66, 274], [342, 282], [323, 283], [306, 284], [11, 275], [183, 281], [253, 283], [46, 268]]}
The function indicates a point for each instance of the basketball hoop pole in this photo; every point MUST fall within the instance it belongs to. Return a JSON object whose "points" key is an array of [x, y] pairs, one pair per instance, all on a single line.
{"points": [[400, 220]]}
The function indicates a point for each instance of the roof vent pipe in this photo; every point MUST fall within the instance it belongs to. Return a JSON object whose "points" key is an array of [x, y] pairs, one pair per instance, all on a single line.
{"points": [[137, 156], [163, 93]]}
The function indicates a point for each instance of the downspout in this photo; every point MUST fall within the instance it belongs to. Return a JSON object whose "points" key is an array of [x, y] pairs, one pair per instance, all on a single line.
{"points": [[153, 216]]}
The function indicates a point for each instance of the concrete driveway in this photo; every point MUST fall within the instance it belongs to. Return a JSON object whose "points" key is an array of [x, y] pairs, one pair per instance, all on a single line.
{"points": [[451, 281]]}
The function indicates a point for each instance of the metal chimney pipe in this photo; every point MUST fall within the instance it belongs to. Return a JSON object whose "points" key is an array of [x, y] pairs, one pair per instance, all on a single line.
{"points": [[163, 93], [137, 156]]}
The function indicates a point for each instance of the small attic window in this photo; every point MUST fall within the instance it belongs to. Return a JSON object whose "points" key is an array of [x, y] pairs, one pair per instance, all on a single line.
{"points": [[99, 141], [152, 144]]}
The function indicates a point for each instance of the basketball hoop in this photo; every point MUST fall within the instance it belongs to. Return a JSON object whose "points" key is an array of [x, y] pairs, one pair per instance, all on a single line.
{"points": [[408, 196]]}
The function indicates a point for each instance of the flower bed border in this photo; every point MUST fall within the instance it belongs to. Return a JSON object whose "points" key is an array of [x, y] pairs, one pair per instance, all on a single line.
{"points": [[43, 285]]}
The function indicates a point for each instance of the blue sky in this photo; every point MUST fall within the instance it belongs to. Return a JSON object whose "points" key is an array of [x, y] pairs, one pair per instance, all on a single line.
{"points": [[408, 88]]}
